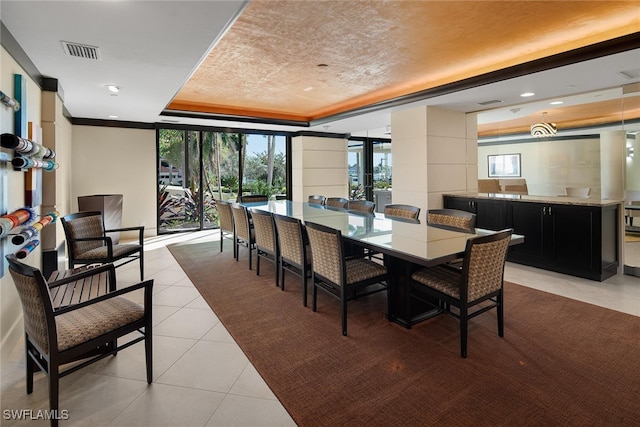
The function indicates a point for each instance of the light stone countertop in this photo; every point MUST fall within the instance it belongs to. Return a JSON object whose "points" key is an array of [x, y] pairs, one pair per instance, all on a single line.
{"points": [[562, 200]]}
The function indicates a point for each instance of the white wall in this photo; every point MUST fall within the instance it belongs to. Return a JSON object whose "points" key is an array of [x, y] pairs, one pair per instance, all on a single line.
{"points": [[109, 160], [550, 166], [11, 328], [632, 170]]}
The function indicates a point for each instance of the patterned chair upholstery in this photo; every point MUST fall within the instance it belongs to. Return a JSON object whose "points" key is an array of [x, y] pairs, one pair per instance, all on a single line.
{"points": [[225, 218], [88, 243], [339, 276], [253, 198], [362, 206], [337, 202], [244, 233], [481, 279], [82, 332], [452, 219], [402, 211], [295, 255], [317, 200], [266, 240]]}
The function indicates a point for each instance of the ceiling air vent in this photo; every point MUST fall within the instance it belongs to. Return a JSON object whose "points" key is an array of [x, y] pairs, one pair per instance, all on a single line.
{"points": [[493, 101], [81, 50]]}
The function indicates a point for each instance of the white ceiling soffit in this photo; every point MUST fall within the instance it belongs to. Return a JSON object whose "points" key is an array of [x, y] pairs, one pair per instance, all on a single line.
{"points": [[147, 48]]}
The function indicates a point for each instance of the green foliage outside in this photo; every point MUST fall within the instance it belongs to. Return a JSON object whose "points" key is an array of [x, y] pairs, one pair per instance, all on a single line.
{"points": [[224, 160]]}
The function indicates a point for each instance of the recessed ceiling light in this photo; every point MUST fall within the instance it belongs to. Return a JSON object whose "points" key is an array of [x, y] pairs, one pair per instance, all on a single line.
{"points": [[308, 88], [113, 88], [527, 94], [113, 117], [556, 102]]}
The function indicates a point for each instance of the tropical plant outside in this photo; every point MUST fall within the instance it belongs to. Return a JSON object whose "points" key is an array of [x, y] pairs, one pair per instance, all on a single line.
{"points": [[220, 166]]}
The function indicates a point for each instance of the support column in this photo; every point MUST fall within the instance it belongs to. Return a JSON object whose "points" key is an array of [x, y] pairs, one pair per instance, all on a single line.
{"points": [[435, 151], [319, 167]]}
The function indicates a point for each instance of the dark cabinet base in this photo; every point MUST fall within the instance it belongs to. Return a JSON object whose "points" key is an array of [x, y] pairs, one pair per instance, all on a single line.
{"points": [[579, 240]]}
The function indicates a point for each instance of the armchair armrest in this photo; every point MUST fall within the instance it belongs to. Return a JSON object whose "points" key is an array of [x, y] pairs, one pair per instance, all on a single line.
{"points": [[147, 285], [138, 228], [83, 273]]}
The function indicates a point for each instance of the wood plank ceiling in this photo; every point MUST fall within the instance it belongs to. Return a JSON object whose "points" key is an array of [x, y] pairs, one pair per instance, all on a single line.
{"points": [[306, 60]]}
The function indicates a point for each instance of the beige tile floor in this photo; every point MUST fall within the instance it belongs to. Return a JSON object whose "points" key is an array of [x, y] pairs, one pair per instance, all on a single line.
{"points": [[201, 377]]}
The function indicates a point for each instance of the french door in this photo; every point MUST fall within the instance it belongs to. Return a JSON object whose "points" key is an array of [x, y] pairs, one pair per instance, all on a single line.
{"points": [[370, 170]]}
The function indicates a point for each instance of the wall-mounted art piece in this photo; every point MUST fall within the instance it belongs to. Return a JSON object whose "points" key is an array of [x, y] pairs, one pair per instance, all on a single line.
{"points": [[20, 95], [33, 176], [504, 165]]}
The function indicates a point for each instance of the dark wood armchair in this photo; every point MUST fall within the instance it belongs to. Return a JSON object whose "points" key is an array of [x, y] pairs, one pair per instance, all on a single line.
{"points": [[88, 242], [84, 329]]}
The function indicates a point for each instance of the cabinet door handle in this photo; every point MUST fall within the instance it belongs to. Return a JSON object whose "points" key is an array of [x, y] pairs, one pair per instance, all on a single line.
{"points": [[549, 210], [544, 210]]}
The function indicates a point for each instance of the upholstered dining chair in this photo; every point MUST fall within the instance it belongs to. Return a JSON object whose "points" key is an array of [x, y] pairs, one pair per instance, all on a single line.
{"points": [[83, 332], [452, 219], [295, 255], [253, 198], [480, 280], [267, 246], [363, 206], [244, 233], [339, 276], [88, 242], [337, 202], [317, 200], [225, 219], [401, 211]]}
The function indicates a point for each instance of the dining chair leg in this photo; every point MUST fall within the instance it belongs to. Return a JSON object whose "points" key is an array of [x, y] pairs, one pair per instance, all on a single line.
{"points": [[343, 314], [30, 369], [500, 309], [221, 239], [54, 388], [314, 294], [464, 321], [257, 263], [304, 286], [148, 352], [141, 266]]}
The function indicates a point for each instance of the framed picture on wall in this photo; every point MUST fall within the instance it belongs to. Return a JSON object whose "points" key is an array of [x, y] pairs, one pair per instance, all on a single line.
{"points": [[504, 165]]}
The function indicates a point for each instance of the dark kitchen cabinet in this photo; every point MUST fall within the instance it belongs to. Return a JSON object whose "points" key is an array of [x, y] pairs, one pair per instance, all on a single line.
{"points": [[579, 240], [490, 214]]}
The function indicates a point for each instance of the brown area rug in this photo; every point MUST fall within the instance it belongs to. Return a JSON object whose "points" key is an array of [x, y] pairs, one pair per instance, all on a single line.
{"points": [[561, 362]]}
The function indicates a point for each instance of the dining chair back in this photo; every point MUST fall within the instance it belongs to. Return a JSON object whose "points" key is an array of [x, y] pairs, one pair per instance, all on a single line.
{"points": [[253, 198], [295, 255], [481, 280], [317, 200], [88, 242], [363, 206], [337, 202], [83, 332], [266, 240], [452, 219], [225, 219], [341, 277], [401, 211], [244, 233]]}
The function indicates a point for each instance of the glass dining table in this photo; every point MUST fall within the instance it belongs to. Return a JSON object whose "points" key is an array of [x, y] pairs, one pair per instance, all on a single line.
{"points": [[405, 244]]}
